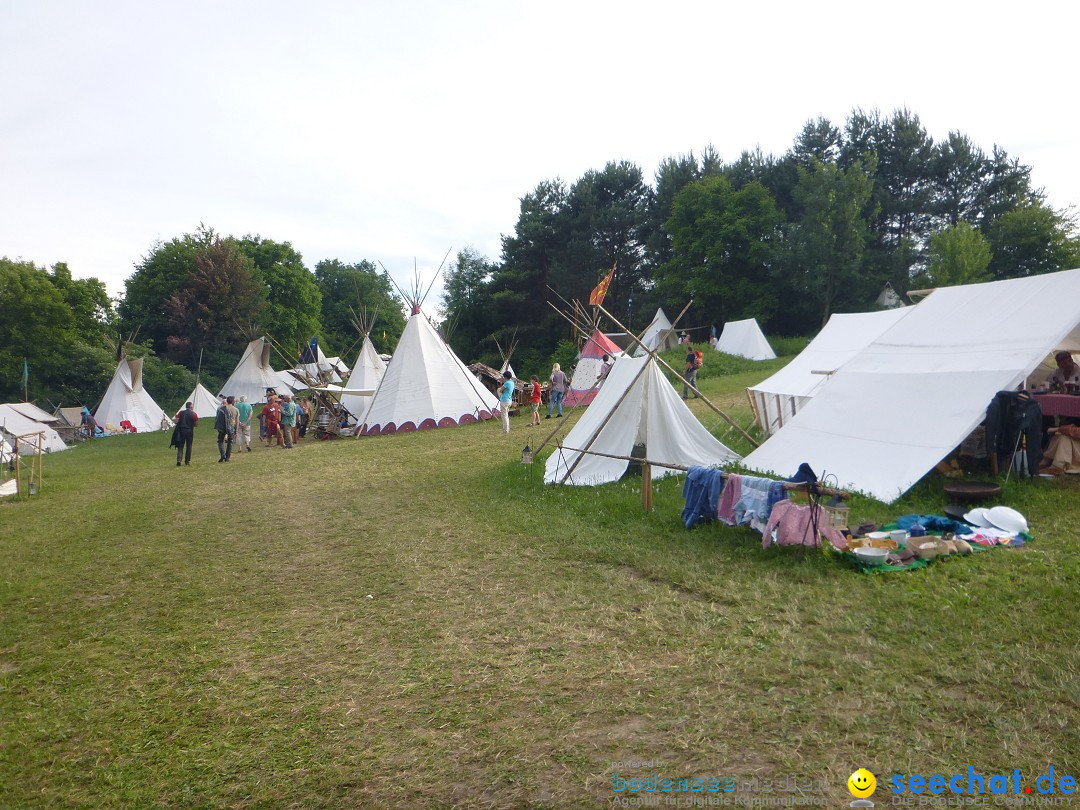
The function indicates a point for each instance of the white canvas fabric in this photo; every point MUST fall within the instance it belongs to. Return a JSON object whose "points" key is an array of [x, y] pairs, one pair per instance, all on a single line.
{"points": [[203, 402], [32, 411], [745, 339], [659, 336], [126, 400], [889, 297], [426, 386], [909, 398], [367, 373], [778, 398], [650, 413], [14, 422], [253, 375]]}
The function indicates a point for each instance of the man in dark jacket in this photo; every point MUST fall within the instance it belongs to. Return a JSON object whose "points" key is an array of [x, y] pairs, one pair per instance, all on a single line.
{"points": [[186, 420], [225, 422]]}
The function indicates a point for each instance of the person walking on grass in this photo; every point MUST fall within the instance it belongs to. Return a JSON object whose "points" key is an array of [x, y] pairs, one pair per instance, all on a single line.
{"points": [[225, 423], [243, 429], [272, 416], [558, 390], [534, 399], [506, 398], [186, 420], [693, 363], [288, 421]]}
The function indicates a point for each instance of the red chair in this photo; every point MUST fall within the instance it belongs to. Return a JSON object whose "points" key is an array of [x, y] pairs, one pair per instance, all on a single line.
{"points": [[127, 427]]}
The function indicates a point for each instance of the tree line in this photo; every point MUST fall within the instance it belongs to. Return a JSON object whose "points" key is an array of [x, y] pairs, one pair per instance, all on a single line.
{"points": [[786, 239]]}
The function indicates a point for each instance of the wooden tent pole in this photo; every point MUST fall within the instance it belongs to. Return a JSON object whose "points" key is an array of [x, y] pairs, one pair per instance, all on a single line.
{"points": [[789, 486], [693, 388]]}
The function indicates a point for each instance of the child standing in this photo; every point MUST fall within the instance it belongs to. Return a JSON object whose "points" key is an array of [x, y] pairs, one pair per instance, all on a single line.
{"points": [[534, 398]]}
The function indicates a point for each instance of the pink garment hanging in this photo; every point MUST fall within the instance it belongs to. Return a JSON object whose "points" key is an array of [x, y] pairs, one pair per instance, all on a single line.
{"points": [[794, 524], [732, 493]]}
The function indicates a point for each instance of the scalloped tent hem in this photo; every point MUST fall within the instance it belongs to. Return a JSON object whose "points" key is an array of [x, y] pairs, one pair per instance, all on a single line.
{"points": [[428, 424]]}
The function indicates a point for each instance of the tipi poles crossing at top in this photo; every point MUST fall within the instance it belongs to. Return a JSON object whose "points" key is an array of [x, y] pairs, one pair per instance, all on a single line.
{"points": [[693, 388]]}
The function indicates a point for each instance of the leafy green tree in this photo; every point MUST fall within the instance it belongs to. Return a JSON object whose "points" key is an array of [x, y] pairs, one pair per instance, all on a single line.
{"points": [[293, 300], [832, 233], [1031, 240], [467, 303], [36, 328], [348, 289], [960, 254], [723, 243], [94, 317], [162, 273]]}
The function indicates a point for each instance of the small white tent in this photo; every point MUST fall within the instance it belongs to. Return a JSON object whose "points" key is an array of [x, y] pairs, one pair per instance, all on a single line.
{"points": [[745, 339], [426, 386], [253, 375], [888, 297], [903, 403], [14, 422], [203, 402], [366, 373], [635, 406], [659, 336], [777, 399], [127, 401]]}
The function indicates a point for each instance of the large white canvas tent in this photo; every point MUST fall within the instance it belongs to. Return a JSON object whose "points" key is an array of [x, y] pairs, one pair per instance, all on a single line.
{"points": [[903, 403], [367, 372], [658, 336], [635, 406], [14, 422], [777, 399], [583, 384], [426, 386], [745, 339], [203, 402], [126, 400], [253, 375]]}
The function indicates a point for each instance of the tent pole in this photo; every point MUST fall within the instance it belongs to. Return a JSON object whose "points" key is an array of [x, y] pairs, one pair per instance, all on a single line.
{"points": [[693, 388]]}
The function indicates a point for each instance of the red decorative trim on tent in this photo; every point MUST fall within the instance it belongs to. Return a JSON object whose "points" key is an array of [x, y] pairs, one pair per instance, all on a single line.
{"points": [[428, 424]]}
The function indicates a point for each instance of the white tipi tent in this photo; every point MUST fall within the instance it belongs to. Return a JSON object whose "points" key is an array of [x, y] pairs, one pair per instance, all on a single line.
{"points": [[888, 297], [903, 403], [126, 400], [253, 374], [426, 386], [635, 406], [203, 402], [777, 399], [745, 339], [366, 373], [659, 336]]}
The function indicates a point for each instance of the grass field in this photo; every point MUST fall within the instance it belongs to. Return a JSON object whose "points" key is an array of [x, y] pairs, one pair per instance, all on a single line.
{"points": [[416, 621]]}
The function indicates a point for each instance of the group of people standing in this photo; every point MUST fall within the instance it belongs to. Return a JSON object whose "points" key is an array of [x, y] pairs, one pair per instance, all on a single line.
{"points": [[282, 420]]}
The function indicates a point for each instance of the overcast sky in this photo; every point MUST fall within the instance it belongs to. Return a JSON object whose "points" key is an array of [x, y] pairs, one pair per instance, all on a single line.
{"points": [[395, 131]]}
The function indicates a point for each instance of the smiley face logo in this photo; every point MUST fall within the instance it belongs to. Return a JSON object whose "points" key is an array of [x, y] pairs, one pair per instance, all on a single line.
{"points": [[861, 784]]}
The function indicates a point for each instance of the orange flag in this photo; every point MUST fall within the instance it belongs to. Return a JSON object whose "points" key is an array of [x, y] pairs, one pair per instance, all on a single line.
{"points": [[596, 297]]}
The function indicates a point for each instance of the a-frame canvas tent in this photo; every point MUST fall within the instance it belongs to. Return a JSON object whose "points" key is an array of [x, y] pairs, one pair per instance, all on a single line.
{"points": [[777, 399], [126, 400], [903, 403], [583, 386], [203, 402], [659, 336], [253, 374], [635, 406], [745, 339], [426, 386], [18, 419], [366, 373]]}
